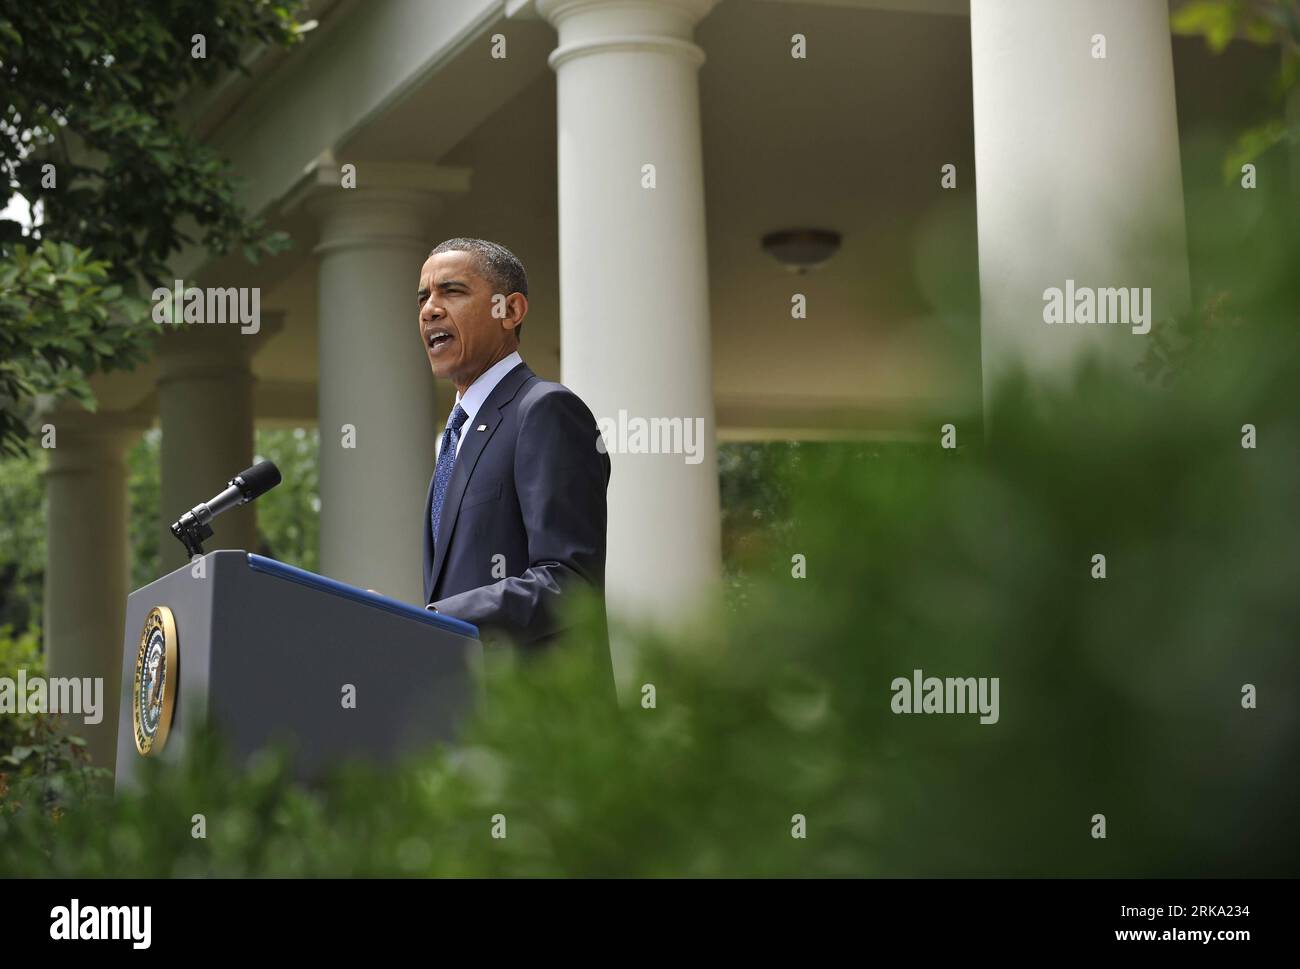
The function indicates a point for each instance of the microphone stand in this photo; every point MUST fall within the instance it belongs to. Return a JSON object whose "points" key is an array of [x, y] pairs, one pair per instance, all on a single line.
{"points": [[192, 533], [193, 528]]}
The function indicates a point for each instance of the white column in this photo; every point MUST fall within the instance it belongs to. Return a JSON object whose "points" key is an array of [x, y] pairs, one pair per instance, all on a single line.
{"points": [[205, 408], [1077, 172], [87, 564], [634, 289], [378, 419]]}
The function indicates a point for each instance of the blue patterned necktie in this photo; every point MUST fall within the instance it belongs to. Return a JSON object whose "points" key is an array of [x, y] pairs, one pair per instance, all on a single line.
{"points": [[446, 458]]}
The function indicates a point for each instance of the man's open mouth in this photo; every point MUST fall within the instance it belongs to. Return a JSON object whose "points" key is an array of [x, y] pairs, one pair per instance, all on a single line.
{"points": [[438, 339]]}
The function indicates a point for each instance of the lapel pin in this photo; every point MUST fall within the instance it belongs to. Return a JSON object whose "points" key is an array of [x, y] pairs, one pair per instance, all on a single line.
{"points": [[482, 427]]}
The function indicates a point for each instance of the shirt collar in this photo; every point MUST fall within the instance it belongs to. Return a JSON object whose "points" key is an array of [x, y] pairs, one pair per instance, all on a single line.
{"points": [[487, 381]]}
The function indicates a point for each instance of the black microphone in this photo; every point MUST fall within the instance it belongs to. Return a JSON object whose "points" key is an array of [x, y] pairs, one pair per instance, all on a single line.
{"points": [[192, 528]]}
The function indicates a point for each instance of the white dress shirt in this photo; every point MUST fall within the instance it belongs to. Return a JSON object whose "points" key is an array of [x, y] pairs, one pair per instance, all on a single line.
{"points": [[478, 392]]}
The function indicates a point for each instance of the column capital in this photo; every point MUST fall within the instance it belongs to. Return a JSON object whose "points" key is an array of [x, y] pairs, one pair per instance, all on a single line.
{"points": [[604, 26], [210, 350], [87, 440], [392, 203]]}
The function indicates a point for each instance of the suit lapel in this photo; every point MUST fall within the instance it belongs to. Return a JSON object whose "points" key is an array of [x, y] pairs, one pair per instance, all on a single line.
{"points": [[474, 443]]}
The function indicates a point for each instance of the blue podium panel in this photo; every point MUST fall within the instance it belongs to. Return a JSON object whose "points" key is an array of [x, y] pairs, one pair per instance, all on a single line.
{"points": [[265, 652]]}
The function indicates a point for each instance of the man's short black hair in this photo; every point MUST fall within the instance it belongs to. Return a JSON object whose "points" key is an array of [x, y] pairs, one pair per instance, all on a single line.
{"points": [[497, 264]]}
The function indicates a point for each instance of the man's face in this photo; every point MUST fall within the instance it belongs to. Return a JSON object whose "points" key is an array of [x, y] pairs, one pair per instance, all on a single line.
{"points": [[460, 334]]}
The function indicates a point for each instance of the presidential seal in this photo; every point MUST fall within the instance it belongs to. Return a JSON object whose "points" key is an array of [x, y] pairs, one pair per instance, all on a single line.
{"points": [[154, 695]]}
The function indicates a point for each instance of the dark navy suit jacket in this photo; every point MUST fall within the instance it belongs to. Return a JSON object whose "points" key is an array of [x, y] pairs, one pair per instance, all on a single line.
{"points": [[528, 484]]}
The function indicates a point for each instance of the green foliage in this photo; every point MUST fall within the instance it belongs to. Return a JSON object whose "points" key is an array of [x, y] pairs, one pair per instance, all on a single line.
{"points": [[1221, 21], [94, 90], [1192, 341], [22, 541], [1119, 696], [1269, 22], [755, 504], [288, 516], [62, 319], [93, 141], [754, 496], [43, 767], [755, 483], [21, 651], [144, 500], [1252, 143]]}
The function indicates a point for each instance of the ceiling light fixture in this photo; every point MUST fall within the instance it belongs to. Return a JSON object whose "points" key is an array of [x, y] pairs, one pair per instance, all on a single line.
{"points": [[800, 250]]}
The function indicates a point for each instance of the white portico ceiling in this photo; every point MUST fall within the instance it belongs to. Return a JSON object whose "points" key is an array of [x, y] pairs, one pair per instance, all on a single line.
{"points": [[847, 139], [851, 138]]}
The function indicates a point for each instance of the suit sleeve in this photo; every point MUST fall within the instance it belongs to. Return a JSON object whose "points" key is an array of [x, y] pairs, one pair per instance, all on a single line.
{"points": [[560, 478]]}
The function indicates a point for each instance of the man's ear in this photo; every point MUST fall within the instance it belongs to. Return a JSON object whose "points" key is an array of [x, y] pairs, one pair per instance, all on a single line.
{"points": [[517, 304]]}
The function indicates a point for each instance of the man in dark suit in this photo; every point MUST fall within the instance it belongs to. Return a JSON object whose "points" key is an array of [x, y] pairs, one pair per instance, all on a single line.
{"points": [[515, 516]]}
